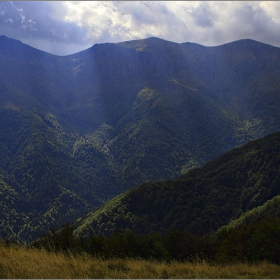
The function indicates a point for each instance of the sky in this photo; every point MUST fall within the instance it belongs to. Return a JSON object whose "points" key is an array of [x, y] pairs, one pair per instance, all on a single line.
{"points": [[66, 27]]}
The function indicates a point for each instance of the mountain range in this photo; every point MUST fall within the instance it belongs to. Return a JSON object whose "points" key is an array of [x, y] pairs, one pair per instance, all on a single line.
{"points": [[79, 130]]}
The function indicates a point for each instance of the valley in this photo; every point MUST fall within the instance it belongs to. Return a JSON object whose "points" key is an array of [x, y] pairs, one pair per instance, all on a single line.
{"points": [[136, 120]]}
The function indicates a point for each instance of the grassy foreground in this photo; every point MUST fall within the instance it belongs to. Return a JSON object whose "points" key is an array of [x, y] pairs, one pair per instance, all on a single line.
{"points": [[21, 262]]}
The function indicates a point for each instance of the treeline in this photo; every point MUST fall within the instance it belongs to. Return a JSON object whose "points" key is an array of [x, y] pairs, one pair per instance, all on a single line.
{"points": [[252, 242]]}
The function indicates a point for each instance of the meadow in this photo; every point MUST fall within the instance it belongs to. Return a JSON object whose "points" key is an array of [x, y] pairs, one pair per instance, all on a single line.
{"points": [[26, 262]]}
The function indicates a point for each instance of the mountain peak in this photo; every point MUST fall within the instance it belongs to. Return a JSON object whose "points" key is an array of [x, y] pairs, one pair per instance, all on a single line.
{"points": [[94, 124], [8, 42]]}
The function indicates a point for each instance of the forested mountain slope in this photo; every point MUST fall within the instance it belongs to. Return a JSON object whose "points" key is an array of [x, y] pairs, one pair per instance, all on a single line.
{"points": [[200, 201], [78, 130], [270, 209]]}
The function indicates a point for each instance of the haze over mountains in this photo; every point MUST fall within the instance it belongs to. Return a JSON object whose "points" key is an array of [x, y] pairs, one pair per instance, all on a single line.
{"points": [[78, 130]]}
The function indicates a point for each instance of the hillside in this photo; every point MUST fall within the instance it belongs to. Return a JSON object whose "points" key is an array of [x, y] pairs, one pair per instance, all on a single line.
{"points": [[270, 208], [78, 130], [200, 201]]}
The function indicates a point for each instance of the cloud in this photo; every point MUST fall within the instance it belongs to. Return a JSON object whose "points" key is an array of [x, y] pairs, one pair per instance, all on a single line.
{"points": [[67, 27], [203, 15], [241, 20], [38, 24]]}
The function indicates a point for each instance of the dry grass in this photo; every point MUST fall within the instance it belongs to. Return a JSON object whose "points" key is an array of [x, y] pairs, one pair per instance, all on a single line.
{"points": [[18, 262]]}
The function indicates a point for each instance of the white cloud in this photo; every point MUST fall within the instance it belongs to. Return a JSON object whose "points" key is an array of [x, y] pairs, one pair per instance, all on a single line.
{"points": [[84, 23]]}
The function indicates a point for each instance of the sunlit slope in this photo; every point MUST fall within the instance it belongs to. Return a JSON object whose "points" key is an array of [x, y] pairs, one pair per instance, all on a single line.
{"points": [[271, 208], [78, 130], [201, 201]]}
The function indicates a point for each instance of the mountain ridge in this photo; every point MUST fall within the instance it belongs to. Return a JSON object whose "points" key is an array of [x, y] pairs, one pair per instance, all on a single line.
{"points": [[77, 130], [237, 185]]}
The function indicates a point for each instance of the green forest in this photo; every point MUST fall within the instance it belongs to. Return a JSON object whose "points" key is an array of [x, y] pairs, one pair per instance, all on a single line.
{"points": [[251, 242], [201, 201], [168, 137]]}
